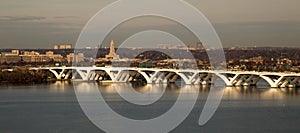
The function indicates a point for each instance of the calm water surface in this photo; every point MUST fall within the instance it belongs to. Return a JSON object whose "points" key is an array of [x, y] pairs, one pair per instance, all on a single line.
{"points": [[53, 108]]}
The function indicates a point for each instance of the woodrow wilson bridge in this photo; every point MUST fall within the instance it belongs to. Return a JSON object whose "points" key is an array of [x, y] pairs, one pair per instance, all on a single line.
{"points": [[165, 76]]}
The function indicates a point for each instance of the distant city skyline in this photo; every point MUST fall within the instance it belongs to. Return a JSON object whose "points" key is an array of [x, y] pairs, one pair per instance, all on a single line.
{"points": [[239, 23]]}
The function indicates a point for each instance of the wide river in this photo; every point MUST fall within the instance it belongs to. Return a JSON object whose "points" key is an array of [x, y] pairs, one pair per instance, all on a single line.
{"points": [[53, 108]]}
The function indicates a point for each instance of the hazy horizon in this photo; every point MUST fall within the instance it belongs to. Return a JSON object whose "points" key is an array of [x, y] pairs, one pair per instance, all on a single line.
{"points": [[239, 23]]}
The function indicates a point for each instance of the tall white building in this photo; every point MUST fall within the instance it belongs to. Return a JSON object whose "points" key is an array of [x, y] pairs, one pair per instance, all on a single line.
{"points": [[112, 53]]}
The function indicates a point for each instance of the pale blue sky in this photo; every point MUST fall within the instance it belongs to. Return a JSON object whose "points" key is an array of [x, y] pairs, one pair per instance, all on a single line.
{"points": [[42, 23]]}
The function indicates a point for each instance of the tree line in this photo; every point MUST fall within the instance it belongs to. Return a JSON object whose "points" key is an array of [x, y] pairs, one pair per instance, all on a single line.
{"points": [[24, 76]]}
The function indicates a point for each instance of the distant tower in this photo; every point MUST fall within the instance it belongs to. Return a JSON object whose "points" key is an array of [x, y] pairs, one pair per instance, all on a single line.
{"points": [[112, 53], [68, 46], [56, 46], [62, 46]]}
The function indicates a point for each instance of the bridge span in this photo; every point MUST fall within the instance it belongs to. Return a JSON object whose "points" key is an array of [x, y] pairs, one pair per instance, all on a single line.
{"points": [[165, 76]]}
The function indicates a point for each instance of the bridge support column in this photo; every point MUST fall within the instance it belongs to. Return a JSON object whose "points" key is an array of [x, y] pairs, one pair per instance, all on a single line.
{"points": [[159, 79], [56, 74], [274, 83], [122, 76], [92, 76], [68, 75], [240, 80], [248, 80], [184, 78], [97, 77], [174, 78], [294, 82], [195, 78], [84, 75], [126, 78], [146, 77], [74, 74], [228, 81], [169, 76], [255, 81], [206, 79], [285, 82]]}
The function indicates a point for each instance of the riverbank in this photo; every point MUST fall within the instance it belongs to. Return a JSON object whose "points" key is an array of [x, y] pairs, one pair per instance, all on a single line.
{"points": [[24, 76]]}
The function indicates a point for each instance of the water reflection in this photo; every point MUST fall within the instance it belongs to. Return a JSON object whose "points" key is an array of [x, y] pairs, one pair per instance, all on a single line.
{"points": [[60, 86], [240, 107], [154, 89], [260, 93], [145, 95], [107, 108], [143, 88]]}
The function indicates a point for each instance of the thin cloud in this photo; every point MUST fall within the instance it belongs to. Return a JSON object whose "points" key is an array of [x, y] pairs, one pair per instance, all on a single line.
{"points": [[66, 17], [21, 18]]}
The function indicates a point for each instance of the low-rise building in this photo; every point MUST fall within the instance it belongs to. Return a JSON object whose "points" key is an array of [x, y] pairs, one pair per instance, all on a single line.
{"points": [[10, 57], [75, 58], [31, 57]]}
